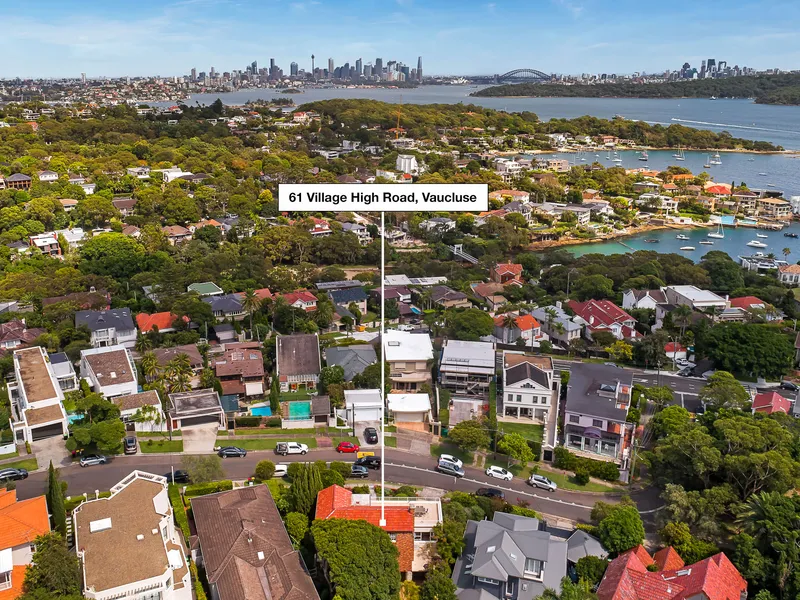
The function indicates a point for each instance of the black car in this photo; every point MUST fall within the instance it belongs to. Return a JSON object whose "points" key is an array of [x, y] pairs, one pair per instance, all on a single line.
{"points": [[371, 435], [788, 385], [230, 451], [13, 474], [371, 462], [180, 477], [359, 472], [130, 445], [490, 493]]}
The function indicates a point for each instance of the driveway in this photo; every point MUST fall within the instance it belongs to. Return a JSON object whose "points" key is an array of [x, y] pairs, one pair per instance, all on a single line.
{"points": [[200, 439], [51, 449], [360, 427]]}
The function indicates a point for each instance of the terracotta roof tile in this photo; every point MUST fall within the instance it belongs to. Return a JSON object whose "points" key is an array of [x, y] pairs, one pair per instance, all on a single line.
{"points": [[21, 522], [668, 559]]}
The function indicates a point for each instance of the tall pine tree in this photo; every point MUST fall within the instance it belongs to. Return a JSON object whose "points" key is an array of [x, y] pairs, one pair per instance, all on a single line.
{"points": [[275, 396], [305, 487], [55, 501]]}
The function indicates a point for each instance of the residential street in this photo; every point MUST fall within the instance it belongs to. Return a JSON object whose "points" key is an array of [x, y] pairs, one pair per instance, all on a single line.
{"points": [[401, 467]]}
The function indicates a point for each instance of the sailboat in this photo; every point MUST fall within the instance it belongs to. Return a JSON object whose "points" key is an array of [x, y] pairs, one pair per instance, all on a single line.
{"points": [[616, 158], [644, 155], [762, 235], [707, 165], [718, 234], [608, 156], [715, 160], [679, 155], [681, 236]]}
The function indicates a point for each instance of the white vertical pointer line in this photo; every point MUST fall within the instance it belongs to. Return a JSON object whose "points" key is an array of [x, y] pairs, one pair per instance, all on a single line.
{"points": [[383, 370]]}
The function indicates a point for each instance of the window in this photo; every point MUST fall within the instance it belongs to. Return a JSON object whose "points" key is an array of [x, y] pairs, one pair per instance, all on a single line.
{"points": [[393, 537], [597, 423], [519, 397], [5, 580], [489, 581], [574, 419], [509, 588], [511, 397], [533, 568]]}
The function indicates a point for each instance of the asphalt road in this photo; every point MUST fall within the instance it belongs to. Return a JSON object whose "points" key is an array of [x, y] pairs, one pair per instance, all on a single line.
{"points": [[401, 467]]}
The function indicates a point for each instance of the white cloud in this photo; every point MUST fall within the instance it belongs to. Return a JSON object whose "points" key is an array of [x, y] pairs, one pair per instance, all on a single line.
{"points": [[576, 10]]}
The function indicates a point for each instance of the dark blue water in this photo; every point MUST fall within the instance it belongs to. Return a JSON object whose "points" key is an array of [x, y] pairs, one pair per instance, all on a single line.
{"points": [[742, 118], [735, 243]]}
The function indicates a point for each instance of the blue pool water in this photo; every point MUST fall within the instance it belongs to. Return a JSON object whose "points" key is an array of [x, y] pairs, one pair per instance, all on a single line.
{"points": [[261, 411], [299, 410]]}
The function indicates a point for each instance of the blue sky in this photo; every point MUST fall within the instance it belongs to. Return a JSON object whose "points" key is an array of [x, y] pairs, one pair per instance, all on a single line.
{"points": [[53, 38]]}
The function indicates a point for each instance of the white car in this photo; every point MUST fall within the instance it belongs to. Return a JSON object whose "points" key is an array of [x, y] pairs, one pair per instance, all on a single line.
{"points": [[543, 482], [449, 458], [285, 448], [499, 473], [281, 470]]}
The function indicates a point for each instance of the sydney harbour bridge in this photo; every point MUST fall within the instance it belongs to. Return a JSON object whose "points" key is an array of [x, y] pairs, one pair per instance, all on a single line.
{"points": [[515, 76]]}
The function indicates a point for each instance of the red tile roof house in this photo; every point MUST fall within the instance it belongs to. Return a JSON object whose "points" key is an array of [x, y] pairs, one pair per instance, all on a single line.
{"points": [[301, 299], [754, 304], [525, 327], [674, 351], [604, 315], [627, 578], [771, 402], [507, 274], [163, 321], [409, 521]]}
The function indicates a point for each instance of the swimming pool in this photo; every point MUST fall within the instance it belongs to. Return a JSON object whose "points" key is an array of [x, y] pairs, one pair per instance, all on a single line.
{"points": [[300, 409], [261, 411]]}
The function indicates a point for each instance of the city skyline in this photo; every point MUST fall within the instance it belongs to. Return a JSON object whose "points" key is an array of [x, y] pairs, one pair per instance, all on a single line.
{"points": [[65, 39]]}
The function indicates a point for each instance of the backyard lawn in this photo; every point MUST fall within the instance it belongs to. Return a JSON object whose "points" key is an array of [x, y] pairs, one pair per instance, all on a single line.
{"points": [[150, 446], [439, 449], [529, 431], [298, 395]]}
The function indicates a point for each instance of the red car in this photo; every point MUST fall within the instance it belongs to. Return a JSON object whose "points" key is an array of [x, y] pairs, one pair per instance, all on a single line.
{"points": [[347, 447]]}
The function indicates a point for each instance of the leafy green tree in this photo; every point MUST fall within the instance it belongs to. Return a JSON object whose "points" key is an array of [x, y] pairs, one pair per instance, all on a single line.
{"points": [[515, 446], [450, 537], [438, 585], [297, 527], [203, 469], [470, 435], [593, 287], [55, 501], [470, 324], [53, 568], [723, 390], [330, 376], [306, 484], [570, 591], [690, 458], [690, 548], [591, 569], [672, 419], [749, 348], [275, 395], [94, 211], [349, 549], [265, 469], [112, 254], [621, 351], [705, 511], [621, 530]]}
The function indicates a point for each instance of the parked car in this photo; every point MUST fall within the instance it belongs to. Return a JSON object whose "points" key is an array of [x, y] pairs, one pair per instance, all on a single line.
{"points": [[347, 447], [93, 459], [449, 468], [499, 473], [284, 448], [281, 470], [682, 362], [131, 446], [543, 482], [686, 372], [231, 451], [359, 471], [371, 462], [371, 435], [611, 364], [12, 474], [490, 493], [452, 460], [788, 385], [179, 477]]}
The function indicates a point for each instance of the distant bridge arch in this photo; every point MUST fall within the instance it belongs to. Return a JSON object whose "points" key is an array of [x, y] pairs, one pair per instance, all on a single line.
{"points": [[523, 75]]}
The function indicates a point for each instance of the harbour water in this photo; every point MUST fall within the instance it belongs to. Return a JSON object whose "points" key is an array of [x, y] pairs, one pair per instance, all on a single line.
{"points": [[742, 118], [734, 243]]}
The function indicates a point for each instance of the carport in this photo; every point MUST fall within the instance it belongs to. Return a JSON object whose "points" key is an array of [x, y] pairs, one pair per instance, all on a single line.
{"points": [[45, 422]]}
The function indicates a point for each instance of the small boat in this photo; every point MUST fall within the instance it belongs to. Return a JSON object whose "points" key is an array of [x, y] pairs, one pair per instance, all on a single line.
{"points": [[679, 155], [687, 248], [763, 174], [761, 235], [756, 244], [791, 235], [644, 155], [713, 98], [706, 243], [751, 159], [680, 236], [616, 159], [715, 160], [770, 185], [652, 241], [718, 234]]}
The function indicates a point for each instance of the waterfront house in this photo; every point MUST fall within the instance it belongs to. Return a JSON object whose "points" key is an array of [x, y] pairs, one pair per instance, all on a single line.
{"points": [[789, 274], [648, 299], [761, 262], [604, 315], [595, 425]]}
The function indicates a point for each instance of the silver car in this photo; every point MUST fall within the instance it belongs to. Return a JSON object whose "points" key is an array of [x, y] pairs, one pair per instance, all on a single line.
{"points": [[540, 481], [93, 459]]}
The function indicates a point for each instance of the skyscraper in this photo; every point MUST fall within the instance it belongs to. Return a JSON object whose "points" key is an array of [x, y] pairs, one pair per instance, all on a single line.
{"points": [[330, 67], [711, 67], [271, 64], [359, 67], [254, 67], [293, 69], [379, 67], [313, 68], [419, 69], [83, 78], [194, 74]]}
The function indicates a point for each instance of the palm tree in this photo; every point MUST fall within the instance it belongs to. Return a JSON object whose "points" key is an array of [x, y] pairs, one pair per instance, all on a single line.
{"points": [[681, 316], [143, 343], [181, 383], [509, 323], [787, 252], [150, 366], [251, 303]]}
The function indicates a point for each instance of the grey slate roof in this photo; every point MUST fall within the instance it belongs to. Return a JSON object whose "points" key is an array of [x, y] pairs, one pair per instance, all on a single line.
{"points": [[526, 370], [229, 303], [325, 286], [584, 384], [298, 354], [119, 318], [441, 293], [582, 544], [353, 359], [346, 296]]}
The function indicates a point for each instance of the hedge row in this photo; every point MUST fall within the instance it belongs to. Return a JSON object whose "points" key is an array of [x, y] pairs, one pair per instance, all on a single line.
{"points": [[564, 459], [201, 489], [248, 421], [199, 592], [536, 447], [179, 511]]}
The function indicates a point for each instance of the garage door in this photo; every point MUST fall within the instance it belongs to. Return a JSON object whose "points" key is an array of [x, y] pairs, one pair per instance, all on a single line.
{"points": [[199, 420], [42, 433], [366, 414]]}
